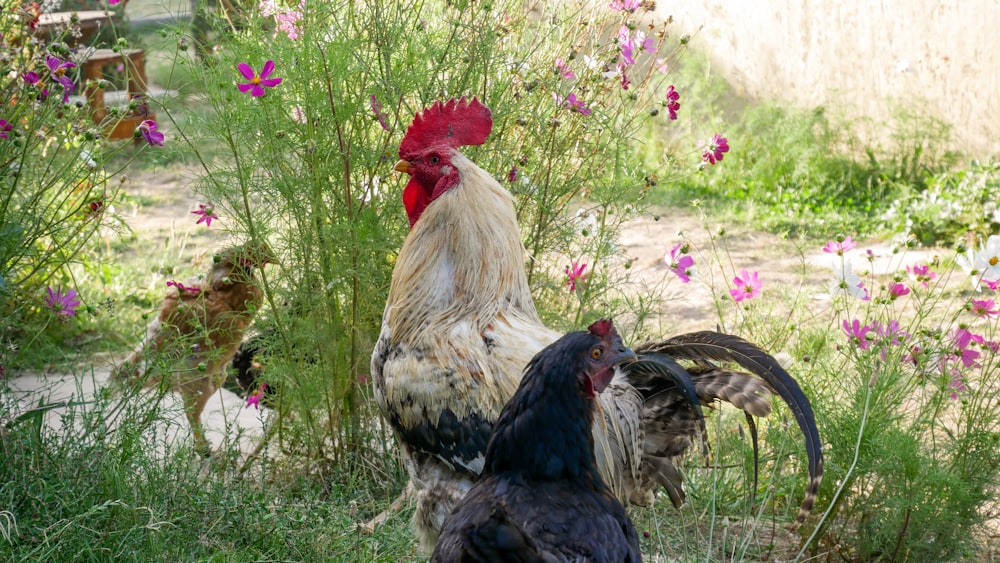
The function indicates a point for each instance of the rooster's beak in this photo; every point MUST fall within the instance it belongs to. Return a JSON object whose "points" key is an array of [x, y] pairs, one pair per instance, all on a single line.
{"points": [[403, 166]]}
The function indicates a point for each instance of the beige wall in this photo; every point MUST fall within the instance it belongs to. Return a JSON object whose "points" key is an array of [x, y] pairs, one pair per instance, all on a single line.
{"points": [[861, 56]]}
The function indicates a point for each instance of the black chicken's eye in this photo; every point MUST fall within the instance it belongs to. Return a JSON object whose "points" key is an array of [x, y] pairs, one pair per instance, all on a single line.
{"points": [[435, 160], [596, 353]]}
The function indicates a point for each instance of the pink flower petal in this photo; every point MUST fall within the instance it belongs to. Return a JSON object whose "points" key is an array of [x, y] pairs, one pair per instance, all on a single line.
{"points": [[246, 71]]}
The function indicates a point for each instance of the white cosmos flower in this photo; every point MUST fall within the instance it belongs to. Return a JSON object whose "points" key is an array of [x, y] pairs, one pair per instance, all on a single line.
{"points": [[846, 281]]}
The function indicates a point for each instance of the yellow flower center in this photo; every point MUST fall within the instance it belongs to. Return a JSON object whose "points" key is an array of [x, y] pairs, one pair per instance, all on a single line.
{"points": [[255, 80], [994, 260]]}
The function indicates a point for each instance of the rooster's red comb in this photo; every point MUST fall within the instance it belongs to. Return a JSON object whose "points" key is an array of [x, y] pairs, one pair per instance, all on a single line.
{"points": [[602, 328], [455, 123]]}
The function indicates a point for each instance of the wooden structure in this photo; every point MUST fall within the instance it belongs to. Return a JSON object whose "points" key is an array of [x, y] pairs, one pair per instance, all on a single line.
{"points": [[92, 63]]}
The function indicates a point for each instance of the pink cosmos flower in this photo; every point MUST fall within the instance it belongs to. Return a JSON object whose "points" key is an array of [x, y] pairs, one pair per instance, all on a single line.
{"points": [[715, 150], [30, 78], [647, 44], [57, 68], [679, 262], [576, 275], [574, 104], [672, 104], [891, 334], [288, 22], [299, 115], [255, 397], [839, 247], [747, 286], [257, 81], [512, 175], [897, 290], [627, 46], [857, 333], [207, 213], [921, 273], [4, 127], [62, 304], [968, 356], [148, 131], [563, 69], [628, 5], [983, 308], [377, 110], [622, 72], [182, 288]]}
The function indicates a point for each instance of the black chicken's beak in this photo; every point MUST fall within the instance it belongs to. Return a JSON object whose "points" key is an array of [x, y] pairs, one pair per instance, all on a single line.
{"points": [[625, 355], [403, 166]]}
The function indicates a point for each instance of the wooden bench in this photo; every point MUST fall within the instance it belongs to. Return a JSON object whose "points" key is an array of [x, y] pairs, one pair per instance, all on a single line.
{"points": [[92, 69]]}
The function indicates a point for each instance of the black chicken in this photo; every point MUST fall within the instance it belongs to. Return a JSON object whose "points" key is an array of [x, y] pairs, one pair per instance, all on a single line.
{"points": [[541, 496]]}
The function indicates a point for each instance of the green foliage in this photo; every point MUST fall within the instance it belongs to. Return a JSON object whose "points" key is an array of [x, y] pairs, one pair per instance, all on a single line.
{"points": [[908, 415], [308, 167], [792, 170], [97, 489], [56, 188], [954, 206]]}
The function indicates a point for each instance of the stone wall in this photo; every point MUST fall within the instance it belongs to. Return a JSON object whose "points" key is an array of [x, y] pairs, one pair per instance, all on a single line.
{"points": [[864, 57]]}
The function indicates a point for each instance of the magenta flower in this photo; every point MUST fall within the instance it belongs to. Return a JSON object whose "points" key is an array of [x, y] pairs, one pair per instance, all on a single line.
{"points": [[679, 262], [624, 76], [573, 104], [628, 5], [207, 213], [672, 104], [897, 290], [257, 81], [575, 275], [839, 247], [148, 131], [647, 44], [921, 273], [563, 69], [377, 110], [968, 356], [891, 333], [62, 304], [57, 68], [627, 46], [715, 150], [4, 127], [982, 308], [30, 78], [254, 398], [747, 286], [857, 333], [512, 175], [182, 288]]}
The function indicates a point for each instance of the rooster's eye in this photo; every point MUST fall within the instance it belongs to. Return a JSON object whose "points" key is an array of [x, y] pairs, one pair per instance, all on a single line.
{"points": [[435, 160], [596, 353]]}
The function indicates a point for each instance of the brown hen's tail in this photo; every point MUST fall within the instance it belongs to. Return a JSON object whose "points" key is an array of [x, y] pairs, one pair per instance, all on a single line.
{"points": [[670, 426]]}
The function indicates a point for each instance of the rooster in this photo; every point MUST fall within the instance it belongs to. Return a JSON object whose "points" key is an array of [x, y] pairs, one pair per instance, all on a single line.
{"points": [[541, 497], [201, 323], [460, 324]]}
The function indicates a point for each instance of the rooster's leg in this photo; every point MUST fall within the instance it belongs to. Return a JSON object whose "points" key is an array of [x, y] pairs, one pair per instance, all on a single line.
{"points": [[377, 522], [194, 404]]}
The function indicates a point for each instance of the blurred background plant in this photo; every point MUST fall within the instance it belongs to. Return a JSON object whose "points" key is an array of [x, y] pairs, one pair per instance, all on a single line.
{"points": [[59, 188]]}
